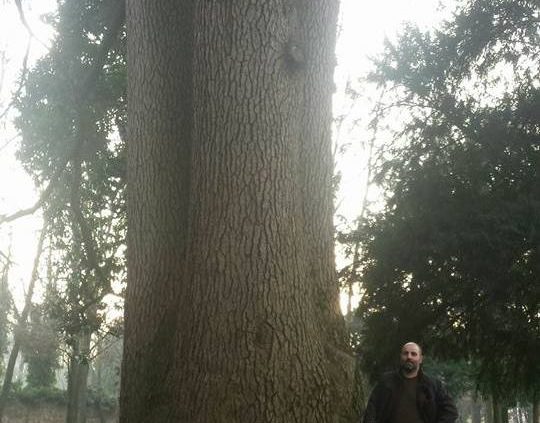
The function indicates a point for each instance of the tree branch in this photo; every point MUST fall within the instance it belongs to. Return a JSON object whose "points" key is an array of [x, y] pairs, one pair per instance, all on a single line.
{"points": [[21, 82], [22, 17], [21, 325], [23, 20], [43, 197]]}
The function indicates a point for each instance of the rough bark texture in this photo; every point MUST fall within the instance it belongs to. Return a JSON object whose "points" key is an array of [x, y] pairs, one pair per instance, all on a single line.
{"points": [[232, 302]]}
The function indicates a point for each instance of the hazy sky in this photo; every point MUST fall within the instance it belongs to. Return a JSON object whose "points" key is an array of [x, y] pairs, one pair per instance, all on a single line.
{"points": [[16, 188], [363, 26]]}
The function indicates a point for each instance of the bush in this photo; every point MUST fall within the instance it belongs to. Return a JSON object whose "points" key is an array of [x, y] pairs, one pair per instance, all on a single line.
{"points": [[35, 395]]}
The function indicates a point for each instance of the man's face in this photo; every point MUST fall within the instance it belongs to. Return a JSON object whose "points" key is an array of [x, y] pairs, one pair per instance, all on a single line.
{"points": [[410, 358]]}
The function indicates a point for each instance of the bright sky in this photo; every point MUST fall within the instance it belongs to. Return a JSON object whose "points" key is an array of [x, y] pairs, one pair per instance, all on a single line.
{"points": [[364, 25]]}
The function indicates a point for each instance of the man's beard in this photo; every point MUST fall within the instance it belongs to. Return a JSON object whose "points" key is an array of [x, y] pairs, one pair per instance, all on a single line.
{"points": [[408, 367]]}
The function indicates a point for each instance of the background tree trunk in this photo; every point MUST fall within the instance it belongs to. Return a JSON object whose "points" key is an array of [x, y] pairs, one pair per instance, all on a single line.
{"points": [[504, 414], [78, 379], [500, 411], [496, 407], [476, 411], [232, 310], [496, 414], [536, 411]]}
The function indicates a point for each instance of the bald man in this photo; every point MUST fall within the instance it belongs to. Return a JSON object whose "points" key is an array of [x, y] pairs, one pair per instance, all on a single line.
{"points": [[408, 395]]}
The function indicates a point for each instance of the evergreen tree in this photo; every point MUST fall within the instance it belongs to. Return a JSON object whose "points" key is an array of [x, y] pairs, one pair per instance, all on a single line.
{"points": [[453, 260]]}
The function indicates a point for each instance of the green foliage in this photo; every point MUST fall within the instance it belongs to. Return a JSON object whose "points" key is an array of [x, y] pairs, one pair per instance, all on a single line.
{"points": [[36, 395], [71, 118], [458, 376], [50, 395], [453, 260], [40, 350], [98, 399]]}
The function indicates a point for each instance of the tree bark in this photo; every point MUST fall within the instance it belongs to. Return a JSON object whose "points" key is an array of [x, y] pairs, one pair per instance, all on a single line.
{"points": [[232, 310], [500, 411], [488, 407], [504, 414], [496, 406], [536, 411]]}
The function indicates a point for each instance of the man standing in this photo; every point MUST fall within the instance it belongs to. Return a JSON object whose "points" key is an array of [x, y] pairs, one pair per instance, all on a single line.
{"points": [[409, 395]]}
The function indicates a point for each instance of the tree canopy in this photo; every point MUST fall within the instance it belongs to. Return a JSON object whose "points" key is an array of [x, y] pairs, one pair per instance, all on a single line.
{"points": [[71, 110], [453, 259], [71, 116]]}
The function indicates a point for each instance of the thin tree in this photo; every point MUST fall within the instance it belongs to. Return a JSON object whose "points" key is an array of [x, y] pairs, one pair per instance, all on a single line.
{"points": [[21, 324]]}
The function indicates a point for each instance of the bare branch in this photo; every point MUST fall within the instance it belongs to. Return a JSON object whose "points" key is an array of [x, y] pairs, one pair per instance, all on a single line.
{"points": [[2, 69], [21, 82], [43, 197], [21, 325], [13, 138], [8, 260], [22, 17], [352, 269]]}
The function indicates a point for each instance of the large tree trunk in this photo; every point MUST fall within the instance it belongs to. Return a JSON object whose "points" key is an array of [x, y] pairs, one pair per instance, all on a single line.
{"points": [[536, 411], [232, 304]]}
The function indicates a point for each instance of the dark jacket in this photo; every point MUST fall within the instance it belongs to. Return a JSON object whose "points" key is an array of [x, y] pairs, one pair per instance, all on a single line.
{"points": [[433, 402]]}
